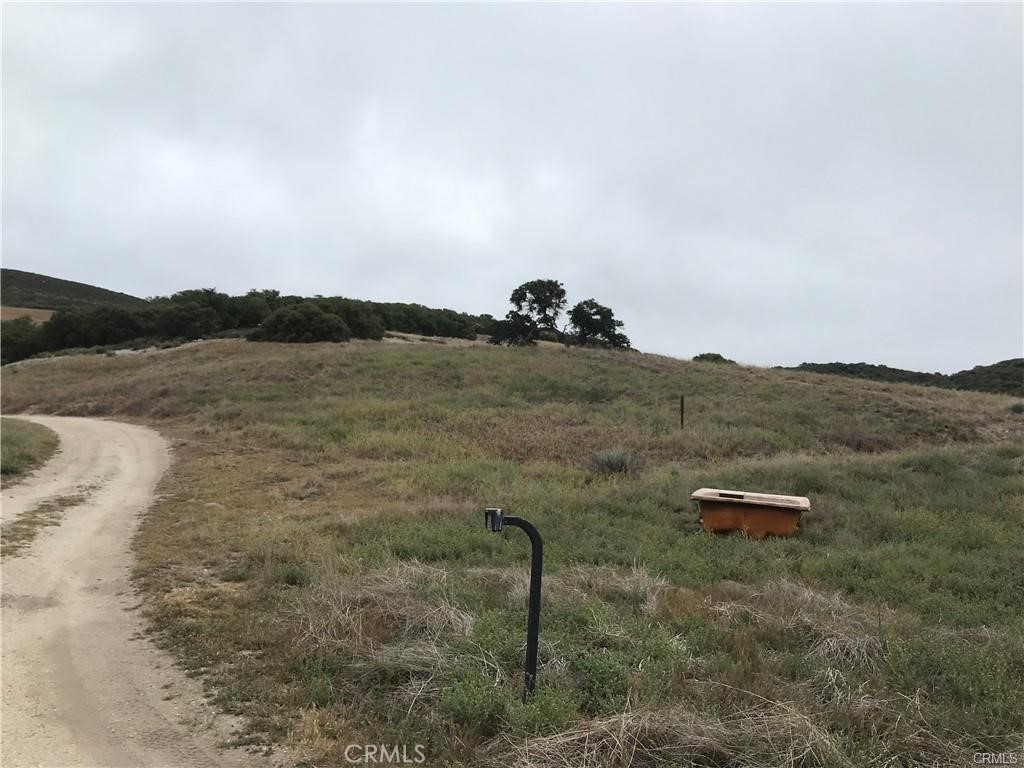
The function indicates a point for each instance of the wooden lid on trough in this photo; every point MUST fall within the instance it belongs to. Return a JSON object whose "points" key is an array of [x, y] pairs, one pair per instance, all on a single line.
{"points": [[801, 503]]}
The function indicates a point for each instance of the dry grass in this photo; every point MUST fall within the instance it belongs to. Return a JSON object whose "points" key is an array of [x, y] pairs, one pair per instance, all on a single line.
{"points": [[772, 734], [382, 617], [37, 316], [839, 633], [568, 404], [766, 733]]}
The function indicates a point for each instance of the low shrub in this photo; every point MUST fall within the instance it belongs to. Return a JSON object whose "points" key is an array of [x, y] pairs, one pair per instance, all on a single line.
{"points": [[712, 357], [602, 682], [616, 461], [290, 574], [302, 323], [473, 699], [547, 711]]}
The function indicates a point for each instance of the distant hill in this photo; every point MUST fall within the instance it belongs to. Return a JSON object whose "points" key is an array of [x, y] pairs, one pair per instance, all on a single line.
{"points": [[1005, 377], [28, 289]]}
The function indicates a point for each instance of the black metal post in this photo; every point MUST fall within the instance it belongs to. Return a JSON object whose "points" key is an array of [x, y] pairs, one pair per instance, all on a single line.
{"points": [[495, 519], [682, 411], [533, 620]]}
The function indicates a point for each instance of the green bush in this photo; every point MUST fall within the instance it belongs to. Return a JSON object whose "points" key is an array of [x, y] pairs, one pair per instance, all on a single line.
{"points": [[361, 318], [182, 320], [290, 574], [712, 357], [602, 682], [1017, 408], [302, 323], [548, 711], [21, 339], [471, 698]]}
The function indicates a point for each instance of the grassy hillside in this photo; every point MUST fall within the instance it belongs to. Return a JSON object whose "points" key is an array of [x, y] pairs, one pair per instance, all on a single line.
{"points": [[1005, 377], [318, 552], [28, 289]]}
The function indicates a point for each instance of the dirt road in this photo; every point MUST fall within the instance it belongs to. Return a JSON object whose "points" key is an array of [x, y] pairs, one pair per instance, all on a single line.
{"points": [[81, 686]]}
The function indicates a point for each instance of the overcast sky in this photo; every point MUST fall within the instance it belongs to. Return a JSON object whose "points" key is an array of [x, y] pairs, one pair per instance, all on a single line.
{"points": [[777, 183]]}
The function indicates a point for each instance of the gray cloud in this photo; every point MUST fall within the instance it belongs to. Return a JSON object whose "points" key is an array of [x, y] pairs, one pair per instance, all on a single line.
{"points": [[777, 183]]}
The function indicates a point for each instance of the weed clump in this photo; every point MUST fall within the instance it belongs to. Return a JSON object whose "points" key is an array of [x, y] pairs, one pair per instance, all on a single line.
{"points": [[290, 574], [616, 461], [388, 608]]}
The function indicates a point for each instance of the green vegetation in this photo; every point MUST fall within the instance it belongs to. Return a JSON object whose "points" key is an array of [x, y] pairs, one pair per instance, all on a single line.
{"points": [[305, 322], [543, 301], [595, 323], [23, 447], [28, 289], [97, 319], [318, 553], [1005, 377], [616, 460], [538, 306], [711, 357], [205, 313], [19, 339]]}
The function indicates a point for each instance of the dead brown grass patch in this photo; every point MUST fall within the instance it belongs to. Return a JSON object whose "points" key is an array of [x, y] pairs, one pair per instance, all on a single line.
{"points": [[380, 611], [772, 734], [838, 633], [37, 316]]}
